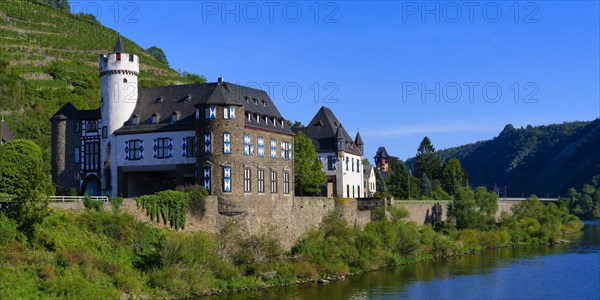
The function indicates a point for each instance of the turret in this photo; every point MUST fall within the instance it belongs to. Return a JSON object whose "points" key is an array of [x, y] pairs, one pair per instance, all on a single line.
{"points": [[119, 95], [359, 142]]}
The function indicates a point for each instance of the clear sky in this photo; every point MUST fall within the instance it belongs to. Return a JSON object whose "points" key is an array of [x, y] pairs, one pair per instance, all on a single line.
{"points": [[457, 72]]}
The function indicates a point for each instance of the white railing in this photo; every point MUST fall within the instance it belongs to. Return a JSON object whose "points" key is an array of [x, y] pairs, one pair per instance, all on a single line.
{"points": [[523, 199], [76, 198]]}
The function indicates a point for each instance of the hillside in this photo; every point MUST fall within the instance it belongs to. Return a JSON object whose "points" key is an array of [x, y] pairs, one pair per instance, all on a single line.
{"points": [[543, 160], [49, 57]]}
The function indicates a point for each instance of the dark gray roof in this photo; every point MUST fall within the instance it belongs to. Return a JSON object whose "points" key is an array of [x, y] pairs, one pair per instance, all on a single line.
{"points": [[119, 46], [324, 130], [183, 99], [5, 133], [68, 111], [382, 153], [358, 139]]}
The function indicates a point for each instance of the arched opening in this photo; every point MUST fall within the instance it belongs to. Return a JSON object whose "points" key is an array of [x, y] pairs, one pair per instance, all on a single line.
{"points": [[92, 186]]}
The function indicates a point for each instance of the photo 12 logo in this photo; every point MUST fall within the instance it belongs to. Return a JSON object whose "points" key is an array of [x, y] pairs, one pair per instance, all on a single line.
{"points": [[293, 92], [469, 11], [470, 91], [269, 11], [117, 11]]}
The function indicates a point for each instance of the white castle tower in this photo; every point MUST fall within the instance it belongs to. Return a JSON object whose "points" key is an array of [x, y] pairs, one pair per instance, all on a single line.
{"points": [[119, 91]]}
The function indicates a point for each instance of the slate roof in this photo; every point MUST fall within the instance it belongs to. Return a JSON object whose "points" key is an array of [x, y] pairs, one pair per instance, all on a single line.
{"points": [[5, 133], [119, 46], [68, 111], [382, 153], [324, 130], [183, 99]]}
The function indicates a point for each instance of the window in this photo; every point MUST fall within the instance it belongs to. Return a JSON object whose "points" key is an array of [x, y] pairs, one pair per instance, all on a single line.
{"points": [[154, 119], [358, 191], [347, 163], [286, 182], [130, 57], [261, 181], [91, 156], [261, 146], [206, 178], [190, 146], [76, 154], [273, 148], [134, 120], [226, 179], [332, 163], [347, 191], [229, 112], [134, 150], [353, 192], [118, 56], [92, 126], [266, 120], [210, 112], [104, 132], [77, 126], [247, 180], [226, 143], [274, 122], [357, 165], [257, 119], [173, 118], [353, 164], [248, 148], [273, 182], [249, 117], [164, 147], [285, 150], [207, 143], [197, 113]]}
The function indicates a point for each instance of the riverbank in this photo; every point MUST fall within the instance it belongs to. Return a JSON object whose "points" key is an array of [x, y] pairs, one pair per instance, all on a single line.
{"points": [[69, 255]]}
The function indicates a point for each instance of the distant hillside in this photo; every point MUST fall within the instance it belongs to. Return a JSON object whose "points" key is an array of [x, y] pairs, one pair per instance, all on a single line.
{"points": [[534, 160], [48, 57]]}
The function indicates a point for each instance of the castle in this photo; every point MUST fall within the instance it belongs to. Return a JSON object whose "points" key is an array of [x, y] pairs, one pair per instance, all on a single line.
{"points": [[229, 138]]}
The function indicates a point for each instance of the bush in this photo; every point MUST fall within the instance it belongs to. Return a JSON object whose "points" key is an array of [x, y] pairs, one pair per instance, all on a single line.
{"points": [[169, 205], [8, 230], [92, 204], [115, 203]]}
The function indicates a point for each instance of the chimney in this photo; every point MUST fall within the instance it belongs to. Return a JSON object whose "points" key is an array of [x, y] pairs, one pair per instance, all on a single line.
{"points": [[220, 80]]}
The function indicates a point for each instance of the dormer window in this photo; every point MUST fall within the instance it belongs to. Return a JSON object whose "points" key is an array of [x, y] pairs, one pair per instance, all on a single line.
{"points": [[257, 118], [274, 122], [134, 120], [264, 103], [187, 98], [249, 115], [255, 101], [159, 100], [282, 123], [266, 120], [247, 100], [154, 119], [173, 118]]}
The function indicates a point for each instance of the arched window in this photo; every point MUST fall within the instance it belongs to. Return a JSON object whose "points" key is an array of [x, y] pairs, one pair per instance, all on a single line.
{"points": [[154, 119], [134, 120], [174, 117]]}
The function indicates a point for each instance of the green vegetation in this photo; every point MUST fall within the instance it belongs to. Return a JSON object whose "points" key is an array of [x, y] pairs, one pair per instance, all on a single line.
{"points": [[309, 178], [49, 56], [22, 171], [158, 54], [543, 160], [171, 206], [435, 180], [69, 255], [586, 202]]}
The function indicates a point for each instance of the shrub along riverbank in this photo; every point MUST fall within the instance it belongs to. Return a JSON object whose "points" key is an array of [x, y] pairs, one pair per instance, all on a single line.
{"points": [[48, 254]]}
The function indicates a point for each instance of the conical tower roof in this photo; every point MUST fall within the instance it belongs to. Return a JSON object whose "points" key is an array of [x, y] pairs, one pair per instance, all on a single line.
{"points": [[119, 46]]}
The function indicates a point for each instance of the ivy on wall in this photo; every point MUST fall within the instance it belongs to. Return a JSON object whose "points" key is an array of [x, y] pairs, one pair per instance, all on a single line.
{"points": [[169, 205]]}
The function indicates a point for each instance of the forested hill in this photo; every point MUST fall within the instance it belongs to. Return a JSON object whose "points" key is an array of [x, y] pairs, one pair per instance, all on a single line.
{"points": [[49, 56], [543, 160]]}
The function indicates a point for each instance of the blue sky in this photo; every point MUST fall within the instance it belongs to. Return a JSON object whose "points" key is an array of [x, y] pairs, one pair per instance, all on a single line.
{"points": [[457, 72]]}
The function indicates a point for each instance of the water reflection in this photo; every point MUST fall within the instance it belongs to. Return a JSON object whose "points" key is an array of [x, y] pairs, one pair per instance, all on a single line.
{"points": [[570, 270]]}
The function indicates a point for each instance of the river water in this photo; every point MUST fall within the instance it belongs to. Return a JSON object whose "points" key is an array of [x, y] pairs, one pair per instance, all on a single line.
{"points": [[565, 271]]}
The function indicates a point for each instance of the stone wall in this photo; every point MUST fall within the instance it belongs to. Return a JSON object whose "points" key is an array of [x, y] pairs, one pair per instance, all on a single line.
{"points": [[288, 218]]}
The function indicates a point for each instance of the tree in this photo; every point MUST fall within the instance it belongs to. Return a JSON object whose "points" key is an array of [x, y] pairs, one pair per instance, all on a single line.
{"points": [[453, 176], [397, 179], [473, 209], [191, 77], [158, 54], [60, 4], [426, 186], [308, 174], [427, 162], [22, 171]]}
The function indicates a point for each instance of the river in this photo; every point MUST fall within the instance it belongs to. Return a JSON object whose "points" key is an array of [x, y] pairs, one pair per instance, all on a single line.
{"points": [[565, 271]]}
